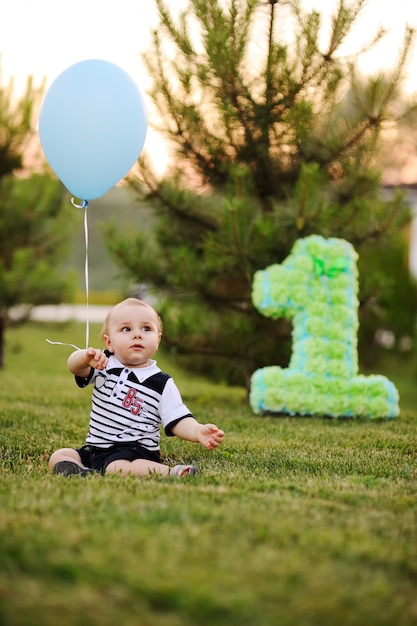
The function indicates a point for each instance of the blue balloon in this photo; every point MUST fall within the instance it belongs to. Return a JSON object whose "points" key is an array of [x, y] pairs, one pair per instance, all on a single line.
{"points": [[92, 127]]}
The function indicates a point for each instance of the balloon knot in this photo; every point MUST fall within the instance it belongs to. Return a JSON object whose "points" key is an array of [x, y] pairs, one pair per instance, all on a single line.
{"points": [[82, 205]]}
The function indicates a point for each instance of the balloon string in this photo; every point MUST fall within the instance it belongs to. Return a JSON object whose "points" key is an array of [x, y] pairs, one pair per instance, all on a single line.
{"points": [[61, 343], [84, 205], [87, 318]]}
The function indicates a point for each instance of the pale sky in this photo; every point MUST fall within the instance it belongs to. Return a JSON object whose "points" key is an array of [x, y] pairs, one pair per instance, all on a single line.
{"points": [[42, 38]]}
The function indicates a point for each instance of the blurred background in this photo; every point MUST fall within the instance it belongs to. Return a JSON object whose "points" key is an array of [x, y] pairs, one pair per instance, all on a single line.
{"points": [[265, 126]]}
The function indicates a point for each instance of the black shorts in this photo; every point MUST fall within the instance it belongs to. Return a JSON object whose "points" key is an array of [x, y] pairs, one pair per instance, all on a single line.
{"points": [[99, 458]]}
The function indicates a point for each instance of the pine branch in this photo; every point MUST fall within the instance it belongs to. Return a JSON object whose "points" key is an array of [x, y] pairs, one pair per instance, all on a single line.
{"points": [[156, 190], [383, 228]]}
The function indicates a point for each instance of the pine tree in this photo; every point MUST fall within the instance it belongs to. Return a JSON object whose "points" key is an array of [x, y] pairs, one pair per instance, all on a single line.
{"points": [[16, 125], [34, 239], [34, 223], [276, 137]]}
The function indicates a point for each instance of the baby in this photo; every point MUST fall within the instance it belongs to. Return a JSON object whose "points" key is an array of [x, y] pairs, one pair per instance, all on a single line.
{"points": [[130, 400]]}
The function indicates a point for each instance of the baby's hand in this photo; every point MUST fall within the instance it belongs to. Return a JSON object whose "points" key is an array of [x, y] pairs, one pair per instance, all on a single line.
{"points": [[210, 436], [96, 358]]}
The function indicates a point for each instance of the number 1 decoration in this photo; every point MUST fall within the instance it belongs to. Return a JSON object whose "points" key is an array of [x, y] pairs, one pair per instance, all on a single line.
{"points": [[316, 288]]}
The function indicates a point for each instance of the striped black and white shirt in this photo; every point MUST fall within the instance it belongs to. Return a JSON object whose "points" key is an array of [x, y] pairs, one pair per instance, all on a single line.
{"points": [[130, 405]]}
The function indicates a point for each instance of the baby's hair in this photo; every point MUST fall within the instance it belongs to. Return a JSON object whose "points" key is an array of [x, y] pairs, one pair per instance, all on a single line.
{"points": [[136, 301]]}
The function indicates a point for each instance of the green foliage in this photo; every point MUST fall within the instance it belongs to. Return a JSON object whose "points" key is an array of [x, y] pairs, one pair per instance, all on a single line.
{"points": [[34, 225], [275, 139], [16, 125], [290, 521], [34, 240]]}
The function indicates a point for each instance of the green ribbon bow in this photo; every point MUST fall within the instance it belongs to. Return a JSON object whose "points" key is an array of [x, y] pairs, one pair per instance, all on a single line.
{"points": [[321, 268]]}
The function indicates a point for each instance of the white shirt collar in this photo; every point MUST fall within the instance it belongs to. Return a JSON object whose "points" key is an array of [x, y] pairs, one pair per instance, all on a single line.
{"points": [[141, 373]]}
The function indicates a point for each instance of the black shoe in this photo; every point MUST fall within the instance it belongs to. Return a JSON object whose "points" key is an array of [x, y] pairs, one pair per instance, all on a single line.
{"points": [[69, 468]]}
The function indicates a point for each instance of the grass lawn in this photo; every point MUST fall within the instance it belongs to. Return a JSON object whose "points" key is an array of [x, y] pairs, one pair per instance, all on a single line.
{"points": [[292, 522]]}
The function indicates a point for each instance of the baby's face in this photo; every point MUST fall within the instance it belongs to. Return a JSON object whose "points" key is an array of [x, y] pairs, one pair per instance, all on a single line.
{"points": [[133, 334]]}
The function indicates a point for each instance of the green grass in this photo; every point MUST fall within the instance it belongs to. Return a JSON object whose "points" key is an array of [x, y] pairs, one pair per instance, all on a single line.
{"points": [[292, 522]]}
